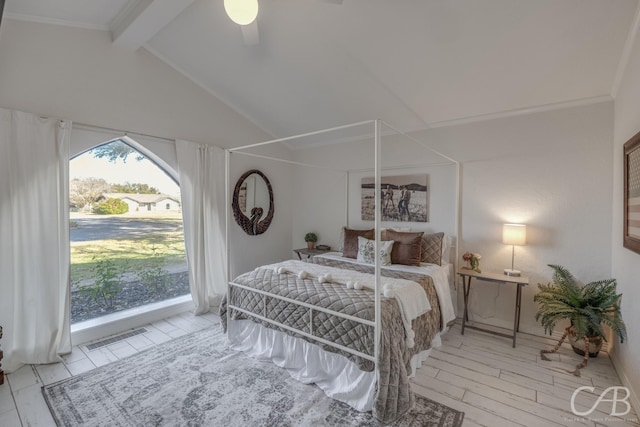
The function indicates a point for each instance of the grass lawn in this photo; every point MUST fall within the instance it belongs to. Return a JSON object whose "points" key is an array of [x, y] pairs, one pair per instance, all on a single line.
{"points": [[130, 254]]}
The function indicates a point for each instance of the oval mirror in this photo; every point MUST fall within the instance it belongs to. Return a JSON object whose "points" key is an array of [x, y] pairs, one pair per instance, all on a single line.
{"points": [[252, 203]]}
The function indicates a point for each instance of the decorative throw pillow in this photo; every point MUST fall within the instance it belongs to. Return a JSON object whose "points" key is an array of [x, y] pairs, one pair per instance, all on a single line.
{"points": [[407, 248], [350, 246], [383, 231], [367, 250], [432, 248]]}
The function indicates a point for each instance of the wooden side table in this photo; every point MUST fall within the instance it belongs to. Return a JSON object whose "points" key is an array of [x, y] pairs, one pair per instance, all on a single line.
{"points": [[519, 281], [309, 252]]}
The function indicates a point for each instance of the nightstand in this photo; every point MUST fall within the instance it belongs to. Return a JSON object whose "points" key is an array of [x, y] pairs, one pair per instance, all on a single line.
{"points": [[518, 281], [309, 252]]}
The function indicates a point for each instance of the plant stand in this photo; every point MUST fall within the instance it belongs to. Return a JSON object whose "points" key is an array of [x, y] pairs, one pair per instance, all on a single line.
{"points": [[567, 332]]}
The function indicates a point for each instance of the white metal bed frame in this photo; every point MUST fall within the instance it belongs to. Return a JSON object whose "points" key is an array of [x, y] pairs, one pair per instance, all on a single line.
{"points": [[376, 323]]}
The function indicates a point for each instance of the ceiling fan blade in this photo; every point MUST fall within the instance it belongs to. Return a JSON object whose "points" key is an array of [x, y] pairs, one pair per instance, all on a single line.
{"points": [[1, 10], [250, 33]]}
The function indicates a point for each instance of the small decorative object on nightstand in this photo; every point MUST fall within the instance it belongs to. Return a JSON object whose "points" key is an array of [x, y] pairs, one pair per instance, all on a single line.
{"points": [[473, 261], [1, 354], [519, 281], [311, 239], [309, 252]]}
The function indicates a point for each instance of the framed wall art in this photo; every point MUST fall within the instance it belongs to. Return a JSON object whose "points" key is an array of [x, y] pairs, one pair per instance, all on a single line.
{"points": [[404, 198], [631, 237]]}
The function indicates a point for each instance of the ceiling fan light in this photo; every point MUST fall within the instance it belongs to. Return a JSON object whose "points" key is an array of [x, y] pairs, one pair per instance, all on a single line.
{"points": [[242, 12]]}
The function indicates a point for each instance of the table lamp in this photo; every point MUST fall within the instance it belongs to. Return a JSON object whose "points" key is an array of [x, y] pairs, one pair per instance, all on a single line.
{"points": [[513, 234]]}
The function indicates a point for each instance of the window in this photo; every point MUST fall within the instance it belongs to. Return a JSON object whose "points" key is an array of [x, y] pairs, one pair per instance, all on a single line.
{"points": [[125, 253]]}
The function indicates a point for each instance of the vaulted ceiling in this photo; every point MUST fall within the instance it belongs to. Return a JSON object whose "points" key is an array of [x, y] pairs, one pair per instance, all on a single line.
{"points": [[414, 63]]}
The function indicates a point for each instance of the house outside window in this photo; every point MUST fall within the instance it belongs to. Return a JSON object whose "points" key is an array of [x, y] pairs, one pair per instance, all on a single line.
{"points": [[130, 252]]}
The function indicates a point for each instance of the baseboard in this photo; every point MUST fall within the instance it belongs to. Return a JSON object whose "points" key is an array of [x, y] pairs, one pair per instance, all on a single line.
{"points": [[115, 323], [617, 365]]}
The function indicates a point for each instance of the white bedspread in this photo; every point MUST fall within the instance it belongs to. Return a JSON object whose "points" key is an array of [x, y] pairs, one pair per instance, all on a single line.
{"points": [[439, 274], [410, 296]]}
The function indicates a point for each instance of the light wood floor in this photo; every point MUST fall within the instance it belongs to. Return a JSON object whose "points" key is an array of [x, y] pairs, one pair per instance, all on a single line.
{"points": [[479, 374], [497, 385]]}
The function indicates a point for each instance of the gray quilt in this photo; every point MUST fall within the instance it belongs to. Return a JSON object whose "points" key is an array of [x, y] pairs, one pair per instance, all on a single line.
{"points": [[394, 396]]}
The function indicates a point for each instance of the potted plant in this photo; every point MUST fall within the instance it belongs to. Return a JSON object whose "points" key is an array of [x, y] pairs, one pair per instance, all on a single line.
{"points": [[587, 308], [311, 239]]}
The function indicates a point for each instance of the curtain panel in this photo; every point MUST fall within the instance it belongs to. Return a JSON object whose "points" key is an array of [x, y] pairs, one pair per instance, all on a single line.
{"points": [[34, 243], [202, 188]]}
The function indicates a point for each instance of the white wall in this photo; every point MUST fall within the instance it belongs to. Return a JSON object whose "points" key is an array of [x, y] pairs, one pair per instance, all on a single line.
{"points": [[550, 171], [321, 194], [79, 75], [625, 263]]}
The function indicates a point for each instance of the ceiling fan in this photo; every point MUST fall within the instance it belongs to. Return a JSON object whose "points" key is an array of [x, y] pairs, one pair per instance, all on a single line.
{"points": [[244, 13], [1, 10]]}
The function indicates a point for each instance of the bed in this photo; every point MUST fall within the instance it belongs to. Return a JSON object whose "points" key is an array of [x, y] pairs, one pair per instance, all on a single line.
{"points": [[317, 320], [354, 323]]}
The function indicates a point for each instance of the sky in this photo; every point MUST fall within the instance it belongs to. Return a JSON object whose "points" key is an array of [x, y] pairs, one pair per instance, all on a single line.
{"points": [[133, 171]]}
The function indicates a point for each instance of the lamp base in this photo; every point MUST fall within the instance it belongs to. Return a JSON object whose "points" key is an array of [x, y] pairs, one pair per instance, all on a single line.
{"points": [[511, 272]]}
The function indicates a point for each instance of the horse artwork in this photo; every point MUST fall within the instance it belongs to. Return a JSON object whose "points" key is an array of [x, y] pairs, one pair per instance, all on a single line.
{"points": [[403, 198]]}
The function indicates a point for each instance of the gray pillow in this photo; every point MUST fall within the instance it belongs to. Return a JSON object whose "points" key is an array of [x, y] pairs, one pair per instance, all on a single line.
{"points": [[432, 248]]}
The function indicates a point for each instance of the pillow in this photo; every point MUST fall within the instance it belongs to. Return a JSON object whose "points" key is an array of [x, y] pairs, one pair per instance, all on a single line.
{"points": [[432, 248], [447, 243], [407, 248], [350, 245], [367, 250], [383, 231]]}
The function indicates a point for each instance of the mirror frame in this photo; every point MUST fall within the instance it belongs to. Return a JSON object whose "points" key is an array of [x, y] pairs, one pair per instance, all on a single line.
{"points": [[249, 226]]}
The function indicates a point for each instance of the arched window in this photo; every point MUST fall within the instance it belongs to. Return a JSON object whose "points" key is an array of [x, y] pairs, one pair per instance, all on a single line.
{"points": [[126, 251]]}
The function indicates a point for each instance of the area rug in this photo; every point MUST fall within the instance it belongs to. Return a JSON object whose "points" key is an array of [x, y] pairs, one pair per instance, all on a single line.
{"points": [[196, 380]]}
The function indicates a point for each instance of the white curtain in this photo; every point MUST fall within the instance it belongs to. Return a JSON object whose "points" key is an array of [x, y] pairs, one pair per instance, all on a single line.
{"points": [[202, 175], [34, 242]]}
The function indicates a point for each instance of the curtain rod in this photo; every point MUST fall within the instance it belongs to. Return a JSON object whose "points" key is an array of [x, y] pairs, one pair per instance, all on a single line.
{"points": [[124, 132]]}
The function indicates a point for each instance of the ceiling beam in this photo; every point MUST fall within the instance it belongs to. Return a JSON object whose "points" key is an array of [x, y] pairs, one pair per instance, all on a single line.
{"points": [[136, 24]]}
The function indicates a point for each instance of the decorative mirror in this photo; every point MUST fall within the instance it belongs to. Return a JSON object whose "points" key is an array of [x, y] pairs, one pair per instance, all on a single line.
{"points": [[253, 202]]}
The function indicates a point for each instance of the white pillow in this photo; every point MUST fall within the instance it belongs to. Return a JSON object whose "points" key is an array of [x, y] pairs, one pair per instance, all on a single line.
{"points": [[447, 244], [367, 250]]}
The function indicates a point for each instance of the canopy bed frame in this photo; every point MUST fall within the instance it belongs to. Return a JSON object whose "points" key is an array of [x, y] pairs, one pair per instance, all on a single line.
{"points": [[376, 129]]}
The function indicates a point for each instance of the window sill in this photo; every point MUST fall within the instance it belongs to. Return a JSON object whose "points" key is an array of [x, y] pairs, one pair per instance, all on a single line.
{"points": [[114, 323]]}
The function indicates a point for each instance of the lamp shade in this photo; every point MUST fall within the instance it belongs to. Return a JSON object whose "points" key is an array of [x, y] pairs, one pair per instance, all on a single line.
{"points": [[514, 234], [242, 12]]}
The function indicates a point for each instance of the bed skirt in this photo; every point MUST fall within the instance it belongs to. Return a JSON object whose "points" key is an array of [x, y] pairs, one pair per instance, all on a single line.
{"points": [[336, 375]]}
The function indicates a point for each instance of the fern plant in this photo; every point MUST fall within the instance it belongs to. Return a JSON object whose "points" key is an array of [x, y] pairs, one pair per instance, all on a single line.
{"points": [[587, 307]]}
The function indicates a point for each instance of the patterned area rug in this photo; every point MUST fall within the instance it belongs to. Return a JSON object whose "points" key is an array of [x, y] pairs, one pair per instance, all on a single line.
{"points": [[196, 380]]}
